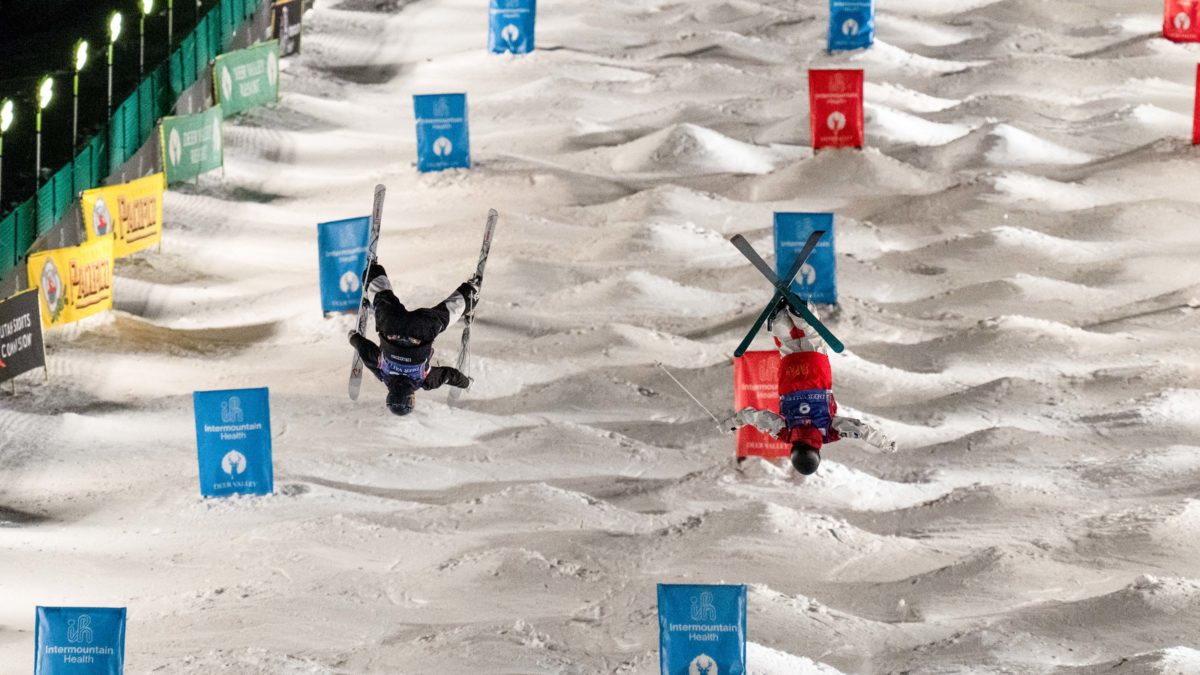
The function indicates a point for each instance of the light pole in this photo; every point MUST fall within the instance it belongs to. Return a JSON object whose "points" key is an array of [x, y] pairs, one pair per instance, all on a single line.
{"points": [[147, 7], [81, 57], [6, 120], [114, 32], [170, 25], [45, 95]]}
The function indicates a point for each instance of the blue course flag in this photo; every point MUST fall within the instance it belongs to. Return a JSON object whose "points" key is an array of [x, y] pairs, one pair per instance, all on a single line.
{"points": [[512, 23], [79, 641], [233, 438], [702, 629], [342, 247], [817, 280], [442, 138], [851, 24]]}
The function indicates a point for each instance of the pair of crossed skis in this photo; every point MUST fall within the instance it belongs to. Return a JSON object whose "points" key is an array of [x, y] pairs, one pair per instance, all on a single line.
{"points": [[783, 291]]}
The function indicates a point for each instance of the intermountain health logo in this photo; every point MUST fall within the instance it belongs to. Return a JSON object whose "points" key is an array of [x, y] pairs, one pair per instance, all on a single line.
{"points": [[233, 463], [838, 84], [226, 84], [703, 665], [836, 121], [703, 608], [175, 147], [53, 290], [101, 218], [441, 108], [850, 27], [231, 410], [442, 147], [80, 630]]}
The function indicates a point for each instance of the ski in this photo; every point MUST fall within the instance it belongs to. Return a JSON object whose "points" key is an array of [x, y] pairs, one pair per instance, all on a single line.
{"points": [[464, 354], [778, 297], [782, 287], [364, 308]]}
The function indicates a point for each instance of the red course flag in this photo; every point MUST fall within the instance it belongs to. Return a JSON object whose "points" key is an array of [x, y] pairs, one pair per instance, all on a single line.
{"points": [[1196, 114], [835, 103], [1179, 21], [756, 384]]}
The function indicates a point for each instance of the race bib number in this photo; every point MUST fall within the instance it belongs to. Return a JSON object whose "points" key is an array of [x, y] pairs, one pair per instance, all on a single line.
{"points": [[807, 408]]}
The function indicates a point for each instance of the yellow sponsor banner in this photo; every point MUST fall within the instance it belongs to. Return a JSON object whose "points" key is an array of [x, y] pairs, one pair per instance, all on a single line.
{"points": [[132, 212], [73, 283]]}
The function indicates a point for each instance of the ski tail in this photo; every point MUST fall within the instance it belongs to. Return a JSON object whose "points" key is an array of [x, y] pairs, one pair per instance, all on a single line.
{"points": [[464, 353], [739, 241], [364, 309]]}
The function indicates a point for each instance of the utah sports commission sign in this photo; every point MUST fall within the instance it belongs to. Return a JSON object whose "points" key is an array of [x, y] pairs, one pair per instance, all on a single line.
{"points": [[20, 335]]}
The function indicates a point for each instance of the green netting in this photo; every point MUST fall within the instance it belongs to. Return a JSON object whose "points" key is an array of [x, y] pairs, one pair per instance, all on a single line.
{"points": [[45, 208], [9, 256], [187, 51], [229, 23], [26, 227], [64, 191]]}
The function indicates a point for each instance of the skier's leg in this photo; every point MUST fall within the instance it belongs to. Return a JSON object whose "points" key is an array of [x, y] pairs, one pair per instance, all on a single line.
{"points": [[795, 335], [368, 351]]}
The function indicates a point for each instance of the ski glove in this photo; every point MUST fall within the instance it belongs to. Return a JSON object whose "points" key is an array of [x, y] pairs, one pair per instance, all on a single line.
{"points": [[848, 427], [469, 290]]}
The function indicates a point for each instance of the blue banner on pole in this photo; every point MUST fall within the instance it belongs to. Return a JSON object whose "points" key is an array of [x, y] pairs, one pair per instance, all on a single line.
{"points": [[79, 641], [702, 629], [233, 438], [342, 247], [817, 280], [442, 138], [851, 24], [512, 25]]}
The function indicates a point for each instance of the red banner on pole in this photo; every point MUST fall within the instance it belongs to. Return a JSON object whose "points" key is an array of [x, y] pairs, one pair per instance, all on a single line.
{"points": [[1196, 113], [756, 384], [1180, 21], [835, 103]]}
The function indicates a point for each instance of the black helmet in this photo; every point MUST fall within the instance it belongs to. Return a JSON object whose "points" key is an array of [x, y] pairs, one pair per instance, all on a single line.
{"points": [[805, 458], [401, 403]]}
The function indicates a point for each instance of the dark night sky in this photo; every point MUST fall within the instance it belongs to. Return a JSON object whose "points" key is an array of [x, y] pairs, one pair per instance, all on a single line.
{"points": [[38, 37]]}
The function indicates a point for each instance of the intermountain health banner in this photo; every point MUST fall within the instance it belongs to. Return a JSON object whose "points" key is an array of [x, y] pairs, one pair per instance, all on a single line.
{"points": [[73, 283], [835, 99], [79, 641], [702, 629], [247, 78], [851, 24], [191, 144], [756, 384], [233, 441], [342, 245], [131, 212], [512, 24], [21, 347], [443, 141], [1180, 21], [817, 280]]}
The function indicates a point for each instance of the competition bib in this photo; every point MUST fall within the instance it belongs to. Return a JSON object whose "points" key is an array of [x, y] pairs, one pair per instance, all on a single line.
{"points": [[807, 408]]}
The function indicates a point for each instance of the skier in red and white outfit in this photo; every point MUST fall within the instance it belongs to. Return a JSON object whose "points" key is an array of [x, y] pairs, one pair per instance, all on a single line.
{"points": [[807, 416]]}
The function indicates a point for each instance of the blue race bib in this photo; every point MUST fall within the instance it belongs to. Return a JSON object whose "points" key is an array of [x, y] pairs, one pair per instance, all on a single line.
{"points": [[413, 371], [807, 407]]}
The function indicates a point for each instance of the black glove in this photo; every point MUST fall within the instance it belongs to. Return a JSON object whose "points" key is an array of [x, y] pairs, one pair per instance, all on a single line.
{"points": [[374, 271], [457, 379], [470, 291]]}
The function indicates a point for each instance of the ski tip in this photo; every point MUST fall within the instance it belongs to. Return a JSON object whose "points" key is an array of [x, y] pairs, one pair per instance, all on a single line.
{"points": [[380, 187], [493, 213], [736, 238]]}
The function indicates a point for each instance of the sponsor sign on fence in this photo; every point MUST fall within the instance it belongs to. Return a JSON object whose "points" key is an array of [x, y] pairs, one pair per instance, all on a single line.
{"points": [[851, 24], [817, 280], [756, 384], [73, 283], [1180, 22], [247, 78], [835, 99], [21, 347], [443, 141], [131, 212], [191, 144], [512, 26], [233, 440], [342, 246], [285, 25], [79, 641], [702, 629]]}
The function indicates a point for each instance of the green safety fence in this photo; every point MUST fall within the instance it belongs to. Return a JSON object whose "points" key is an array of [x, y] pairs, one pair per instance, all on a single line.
{"points": [[131, 125]]}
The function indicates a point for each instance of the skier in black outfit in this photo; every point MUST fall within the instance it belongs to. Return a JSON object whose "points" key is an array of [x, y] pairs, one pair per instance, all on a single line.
{"points": [[401, 360]]}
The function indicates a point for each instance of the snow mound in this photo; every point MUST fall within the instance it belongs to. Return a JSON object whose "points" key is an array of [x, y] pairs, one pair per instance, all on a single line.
{"points": [[761, 660], [1014, 147], [689, 149]]}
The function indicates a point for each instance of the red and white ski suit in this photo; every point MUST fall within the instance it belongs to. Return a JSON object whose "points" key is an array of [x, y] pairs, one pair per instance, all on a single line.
{"points": [[808, 410]]}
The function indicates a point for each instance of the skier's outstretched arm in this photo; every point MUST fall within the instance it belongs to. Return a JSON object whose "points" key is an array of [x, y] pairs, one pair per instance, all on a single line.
{"points": [[848, 427], [439, 375], [368, 351], [765, 421]]}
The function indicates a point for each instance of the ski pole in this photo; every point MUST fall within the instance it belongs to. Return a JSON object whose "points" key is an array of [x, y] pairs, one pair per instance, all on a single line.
{"points": [[685, 390]]}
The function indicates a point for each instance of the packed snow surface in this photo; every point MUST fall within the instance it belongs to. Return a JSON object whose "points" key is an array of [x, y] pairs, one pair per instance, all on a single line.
{"points": [[1019, 264]]}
